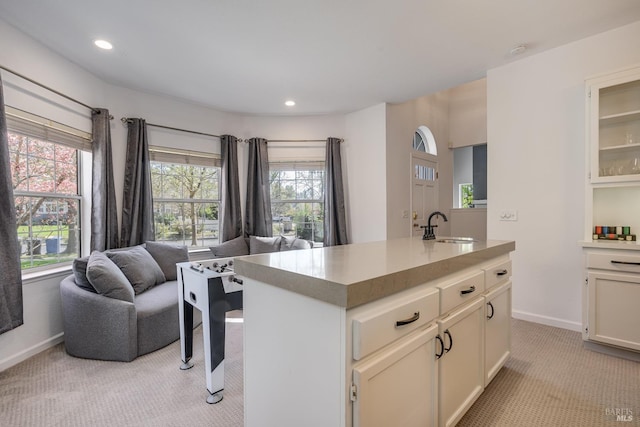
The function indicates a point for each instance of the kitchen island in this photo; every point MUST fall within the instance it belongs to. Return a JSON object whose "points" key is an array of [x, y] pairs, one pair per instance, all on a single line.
{"points": [[349, 335]]}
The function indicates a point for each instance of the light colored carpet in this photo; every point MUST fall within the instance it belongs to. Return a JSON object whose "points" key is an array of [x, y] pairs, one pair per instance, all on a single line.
{"points": [[550, 380], [55, 389]]}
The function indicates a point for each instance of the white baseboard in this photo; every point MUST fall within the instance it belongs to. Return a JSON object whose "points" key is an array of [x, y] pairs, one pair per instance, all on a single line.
{"points": [[31, 351], [546, 320]]}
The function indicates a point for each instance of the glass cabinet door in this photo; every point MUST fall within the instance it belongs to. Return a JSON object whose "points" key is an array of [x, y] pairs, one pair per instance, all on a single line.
{"points": [[615, 129]]}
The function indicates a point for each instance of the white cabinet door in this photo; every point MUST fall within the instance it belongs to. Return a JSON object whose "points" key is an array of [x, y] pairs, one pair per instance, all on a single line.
{"points": [[614, 316], [497, 330], [461, 368], [398, 385], [614, 126]]}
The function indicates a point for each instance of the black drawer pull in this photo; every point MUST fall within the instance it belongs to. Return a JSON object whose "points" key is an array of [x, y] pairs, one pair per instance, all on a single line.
{"points": [[468, 291], [502, 272], [625, 262], [412, 319], [439, 355], [492, 310]]}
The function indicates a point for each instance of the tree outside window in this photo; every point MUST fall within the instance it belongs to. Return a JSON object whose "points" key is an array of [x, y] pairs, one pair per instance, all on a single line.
{"points": [[466, 195], [297, 201], [45, 186], [186, 201]]}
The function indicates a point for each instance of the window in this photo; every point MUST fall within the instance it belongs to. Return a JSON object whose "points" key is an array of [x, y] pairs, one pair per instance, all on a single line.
{"points": [[47, 199], [466, 195], [297, 199], [186, 197], [424, 141]]}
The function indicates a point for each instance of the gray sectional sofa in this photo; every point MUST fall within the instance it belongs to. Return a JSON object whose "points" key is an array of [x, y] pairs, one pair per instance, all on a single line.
{"points": [[258, 245], [123, 303]]}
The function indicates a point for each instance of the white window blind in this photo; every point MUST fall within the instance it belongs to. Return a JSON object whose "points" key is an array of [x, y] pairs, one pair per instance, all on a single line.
{"points": [[34, 126], [183, 157], [295, 166]]}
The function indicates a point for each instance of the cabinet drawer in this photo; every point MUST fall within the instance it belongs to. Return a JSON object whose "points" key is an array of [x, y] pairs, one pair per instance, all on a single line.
{"points": [[386, 323], [616, 262], [453, 294], [497, 273]]}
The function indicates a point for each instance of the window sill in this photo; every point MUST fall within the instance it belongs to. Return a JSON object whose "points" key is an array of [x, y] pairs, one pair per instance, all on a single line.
{"points": [[37, 276]]}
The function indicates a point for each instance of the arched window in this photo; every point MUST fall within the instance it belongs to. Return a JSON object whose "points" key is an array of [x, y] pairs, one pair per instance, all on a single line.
{"points": [[424, 141]]}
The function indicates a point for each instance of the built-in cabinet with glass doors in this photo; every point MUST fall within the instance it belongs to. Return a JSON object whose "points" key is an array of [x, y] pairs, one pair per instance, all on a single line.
{"points": [[611, 287]]}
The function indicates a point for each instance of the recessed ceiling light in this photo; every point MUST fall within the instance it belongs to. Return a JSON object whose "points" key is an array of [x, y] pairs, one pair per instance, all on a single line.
{"points": [[103, 44], [290, 103]]}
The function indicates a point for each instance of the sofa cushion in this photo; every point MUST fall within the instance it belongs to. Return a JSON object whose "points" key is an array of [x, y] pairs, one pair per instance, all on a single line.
{"points": [[158, 317], [290, 243], [263, 245], [79, 268], [231, 248], [167, 256], [138, 266], [105, 276]]}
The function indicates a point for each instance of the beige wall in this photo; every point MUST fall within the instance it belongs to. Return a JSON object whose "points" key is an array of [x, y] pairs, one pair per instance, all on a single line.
{"points": [[536, 165], [402, 121], [468, 114], [365, 162]]}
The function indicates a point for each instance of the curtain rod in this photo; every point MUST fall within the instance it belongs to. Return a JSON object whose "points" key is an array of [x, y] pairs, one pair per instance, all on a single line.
{"points": [[49, 89], [126, 120]]}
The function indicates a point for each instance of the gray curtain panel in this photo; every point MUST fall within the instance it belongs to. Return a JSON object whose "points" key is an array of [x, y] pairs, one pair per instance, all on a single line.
{"points": [[137, 202], [258, 220], [231, 210], [11, 312], [335, 223], [104, 214]]}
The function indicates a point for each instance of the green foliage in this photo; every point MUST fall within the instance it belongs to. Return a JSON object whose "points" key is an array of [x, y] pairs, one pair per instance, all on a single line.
{"points": [[466, 195]]}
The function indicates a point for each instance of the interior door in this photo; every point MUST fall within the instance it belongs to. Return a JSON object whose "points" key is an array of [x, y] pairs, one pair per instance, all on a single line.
{"points": [[424, 190]]}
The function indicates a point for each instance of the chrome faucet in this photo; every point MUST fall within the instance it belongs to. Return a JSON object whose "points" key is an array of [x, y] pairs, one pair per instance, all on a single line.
{"points": [[429, 234]]}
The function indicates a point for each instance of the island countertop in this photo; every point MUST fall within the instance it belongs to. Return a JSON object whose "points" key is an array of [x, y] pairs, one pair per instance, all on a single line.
{"points": [[355, 274]]}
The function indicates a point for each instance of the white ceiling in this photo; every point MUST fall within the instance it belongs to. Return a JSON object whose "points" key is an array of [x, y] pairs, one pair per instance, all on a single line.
{"points": [[330, 56]]}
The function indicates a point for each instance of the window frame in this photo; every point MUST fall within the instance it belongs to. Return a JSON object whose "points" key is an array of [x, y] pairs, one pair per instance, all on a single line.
{"points": [[299, 166], [37, 128], [171, 156]]}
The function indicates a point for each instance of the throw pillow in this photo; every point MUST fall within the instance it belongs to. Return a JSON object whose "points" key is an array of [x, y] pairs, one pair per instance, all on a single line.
{"points": [[107, 278], [293, 243], [79, 268], [138, 266], [167, 256], [231, 248], [263, 245]]}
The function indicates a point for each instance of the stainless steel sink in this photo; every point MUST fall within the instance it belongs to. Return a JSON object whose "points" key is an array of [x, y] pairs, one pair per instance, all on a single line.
{"points": [[455, 240]]}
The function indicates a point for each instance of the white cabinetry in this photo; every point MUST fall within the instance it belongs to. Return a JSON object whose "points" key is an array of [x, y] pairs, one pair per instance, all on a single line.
{"points": [[612, 278], [497, 330], [394, 373], [412, 358], [461, 367], [497, 317], [613, 294], [614, 126], [399, 385]]}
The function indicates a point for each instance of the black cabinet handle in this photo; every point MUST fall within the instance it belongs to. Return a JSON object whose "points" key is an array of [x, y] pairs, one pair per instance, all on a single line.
{"points": [[412, 319], [492, 310], [439, 355], [468, 291], [502, 272], [447, 349], [625, 262]]}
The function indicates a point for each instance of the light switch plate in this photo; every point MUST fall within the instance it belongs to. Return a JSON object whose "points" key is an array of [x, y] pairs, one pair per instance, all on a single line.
{"points": [[509, 215]]}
